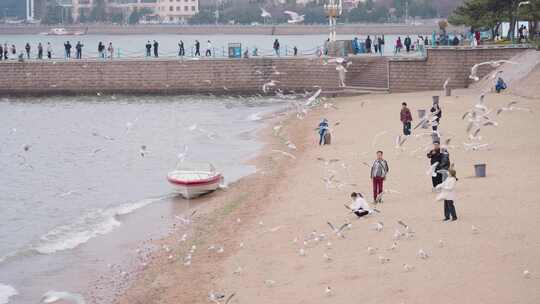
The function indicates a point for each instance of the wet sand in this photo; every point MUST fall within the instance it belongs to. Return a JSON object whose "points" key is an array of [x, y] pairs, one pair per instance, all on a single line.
{"points": [[287, 200]]}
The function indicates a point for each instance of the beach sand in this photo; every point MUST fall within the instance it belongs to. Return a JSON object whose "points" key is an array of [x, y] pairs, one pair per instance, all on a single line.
{"points": [[287, 199]]}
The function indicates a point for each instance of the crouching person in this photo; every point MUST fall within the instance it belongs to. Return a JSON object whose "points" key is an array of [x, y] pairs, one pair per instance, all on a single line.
{"points": [[359, 206]]}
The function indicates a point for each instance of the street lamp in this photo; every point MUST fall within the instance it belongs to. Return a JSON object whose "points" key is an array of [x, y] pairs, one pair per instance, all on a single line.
{"points": [[333, 10]]}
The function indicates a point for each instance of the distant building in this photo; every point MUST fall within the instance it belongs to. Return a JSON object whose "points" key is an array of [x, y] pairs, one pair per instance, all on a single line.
{"points": [[177, 11]]}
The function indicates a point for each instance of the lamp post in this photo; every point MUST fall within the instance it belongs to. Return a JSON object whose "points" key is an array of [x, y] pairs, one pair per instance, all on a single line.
{"points": [[333, 9]]}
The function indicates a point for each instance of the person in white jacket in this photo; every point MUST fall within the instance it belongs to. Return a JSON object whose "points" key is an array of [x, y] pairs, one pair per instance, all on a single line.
{"points": [[359, 206], [448, 195]]}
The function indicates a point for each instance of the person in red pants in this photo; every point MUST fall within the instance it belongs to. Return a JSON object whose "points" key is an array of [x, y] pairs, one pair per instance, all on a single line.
{"points": [[379, 170]]}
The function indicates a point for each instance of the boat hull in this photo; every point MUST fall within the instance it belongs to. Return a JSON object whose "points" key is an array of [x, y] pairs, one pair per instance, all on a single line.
{"points": [[193, 189]]}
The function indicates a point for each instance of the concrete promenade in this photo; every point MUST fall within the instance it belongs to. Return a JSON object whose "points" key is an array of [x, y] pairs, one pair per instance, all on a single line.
{"points": [[247, 76]]}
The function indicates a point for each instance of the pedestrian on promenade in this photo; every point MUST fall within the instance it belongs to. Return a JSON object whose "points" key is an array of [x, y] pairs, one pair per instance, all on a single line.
{"points": [[323, 130], [156, 49], [379, 170], [40, 51], [13, 50], [398, 46], [67, 47], [406, 119], [440, 161], [295, 51], [477, 37], [181, 50], [421, 45], [368, 45], [101, 50], [376, 45], [110, 50], [49, 50], [6, 52], [208, 49], [359, 206], [276, 47], [1, 52], [381, 45], [326, 47], [436, 112], [448, 195], [408, 44], [27, 49], [78, 48], [148, 49], [197, 48]]}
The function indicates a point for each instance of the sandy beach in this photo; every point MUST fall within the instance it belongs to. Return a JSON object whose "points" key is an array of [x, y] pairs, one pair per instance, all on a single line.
{"points": [[262, 221]]}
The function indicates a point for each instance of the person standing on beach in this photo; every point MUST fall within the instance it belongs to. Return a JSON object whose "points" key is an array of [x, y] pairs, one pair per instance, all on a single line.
{"points": [[148, 47], [27, 48], [49, 50], [156, 49], [197, 48], [441, 160], [209, 49], [78, 48], [276, 47], [406, 119], [359, 206], [323, 129], [436, 112], [447, 194], [40, 51], [379, 170], [181, 50]]}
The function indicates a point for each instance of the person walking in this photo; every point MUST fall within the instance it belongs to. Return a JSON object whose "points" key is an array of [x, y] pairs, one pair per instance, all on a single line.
{"points": [[148, 47], [6, 52], [78, 48], [40, 51], [110, 50], [208, 49], [368, 45], [447, 194], [323, 129], [436, 112], [379, 170], [440, 161], [295, 51], [49, 50], [156, 49], [181, 50], [406, 119], [398, 47], [14, 50], [197, 48], [276, 47], [421, 45], [359, 206], [381, 45], [67, 47], [376, 45], [27, 49], [1, 52]]}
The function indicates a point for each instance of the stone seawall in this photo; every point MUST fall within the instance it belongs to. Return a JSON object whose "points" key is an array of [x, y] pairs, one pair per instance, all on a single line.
{"points": [[407, 75], [246, 76], [221, 76]]}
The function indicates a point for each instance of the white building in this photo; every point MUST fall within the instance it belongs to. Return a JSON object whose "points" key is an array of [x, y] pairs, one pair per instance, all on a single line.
{"points": [[177, 11]]}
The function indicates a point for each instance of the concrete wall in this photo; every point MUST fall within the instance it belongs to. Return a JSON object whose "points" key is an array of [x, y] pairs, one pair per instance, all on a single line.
{"points": [[244, 76], [406, 75], [240, 76]]}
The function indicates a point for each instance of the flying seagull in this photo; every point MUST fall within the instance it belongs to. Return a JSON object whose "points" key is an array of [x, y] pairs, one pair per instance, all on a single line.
{"points": [[294, 17], [338, 231], [265, 14]]}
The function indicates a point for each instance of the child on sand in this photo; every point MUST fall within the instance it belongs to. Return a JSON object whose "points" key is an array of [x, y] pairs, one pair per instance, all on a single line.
{"points": [[359, 206], [323, 130], [448, 195]]}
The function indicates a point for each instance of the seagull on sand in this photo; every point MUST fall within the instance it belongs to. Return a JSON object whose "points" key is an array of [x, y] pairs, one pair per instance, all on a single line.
{"points": [[338, 231], [142, 151], [328, 291], [57, 296], [408, 268], [271, 83], [422, 254], [294, 17], [379, 226]]}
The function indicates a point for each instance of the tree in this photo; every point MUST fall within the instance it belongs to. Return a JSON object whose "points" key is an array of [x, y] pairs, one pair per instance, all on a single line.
{"points": [[205, 16], [99, 12]]}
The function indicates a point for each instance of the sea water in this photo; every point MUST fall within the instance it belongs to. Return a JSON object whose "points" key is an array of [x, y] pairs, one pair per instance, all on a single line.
{"points": [[77, 190]]}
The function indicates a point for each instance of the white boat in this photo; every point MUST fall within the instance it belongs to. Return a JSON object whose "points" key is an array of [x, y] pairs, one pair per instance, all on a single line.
{"points": [[191, 183], [63, 32]]}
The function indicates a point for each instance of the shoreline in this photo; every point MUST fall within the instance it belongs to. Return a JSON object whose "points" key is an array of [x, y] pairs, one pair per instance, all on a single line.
{"points": [[272, 30], [286, 199]]}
